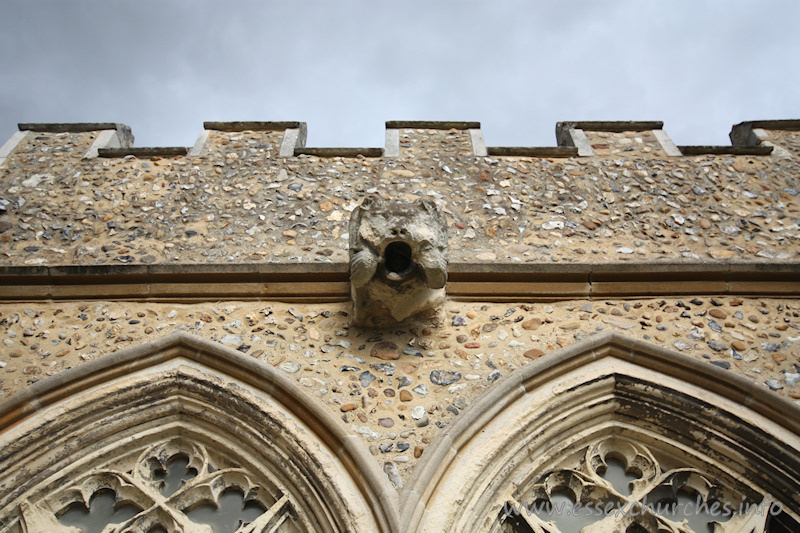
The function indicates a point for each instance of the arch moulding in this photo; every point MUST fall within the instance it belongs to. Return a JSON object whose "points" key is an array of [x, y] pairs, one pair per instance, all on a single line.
{"points": [[240, 424], [625, 398]]}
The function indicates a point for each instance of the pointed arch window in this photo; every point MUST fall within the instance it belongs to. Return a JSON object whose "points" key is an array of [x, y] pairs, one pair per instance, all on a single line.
{"points": [[613, 427], [181, 434]]}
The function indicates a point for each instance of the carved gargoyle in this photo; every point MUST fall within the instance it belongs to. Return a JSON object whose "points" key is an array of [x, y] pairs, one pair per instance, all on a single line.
{"points": [[398, 261]]}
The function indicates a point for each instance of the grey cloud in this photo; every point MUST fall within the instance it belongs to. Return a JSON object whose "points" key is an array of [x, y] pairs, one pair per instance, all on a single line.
{"points": [[345, 67]]}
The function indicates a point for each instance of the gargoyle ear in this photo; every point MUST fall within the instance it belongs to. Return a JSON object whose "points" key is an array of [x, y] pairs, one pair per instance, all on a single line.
{"points": [[373, 200], [429, 205]]}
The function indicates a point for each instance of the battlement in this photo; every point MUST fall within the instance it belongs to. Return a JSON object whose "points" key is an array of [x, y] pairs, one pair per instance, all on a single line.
{"points": [[82, 194], [414, 138]]}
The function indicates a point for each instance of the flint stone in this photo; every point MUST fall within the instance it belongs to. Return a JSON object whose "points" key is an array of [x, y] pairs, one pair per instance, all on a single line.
{"points": [[421, 389], [791, 378], [366, 378], [232, 340], [773, 384], [385, 350], [366, 432], [444, 377], [390, 469], [716, 346], [289, 367], [459, 320], [386, 368]]}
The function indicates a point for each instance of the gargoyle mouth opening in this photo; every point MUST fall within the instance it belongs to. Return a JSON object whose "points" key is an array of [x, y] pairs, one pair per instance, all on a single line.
{"points": [[397, 260]]}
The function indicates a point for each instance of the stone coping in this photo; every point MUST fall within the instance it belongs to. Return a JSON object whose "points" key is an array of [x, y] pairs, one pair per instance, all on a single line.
{"points": [[512, 151], [156, 151], [785, 124], [71, 127], [726, 150], [254, 125], [740, 135], [330, 281], [609, 125], [339, 152], [432, 125], [533, 151]]}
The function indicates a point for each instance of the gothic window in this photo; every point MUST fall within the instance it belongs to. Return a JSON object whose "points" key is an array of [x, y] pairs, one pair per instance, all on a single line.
{"points": [[631, 437], [181, 435]]}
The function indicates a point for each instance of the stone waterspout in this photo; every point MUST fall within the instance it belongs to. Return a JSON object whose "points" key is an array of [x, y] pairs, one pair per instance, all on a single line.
{"points": [[398, 262]]}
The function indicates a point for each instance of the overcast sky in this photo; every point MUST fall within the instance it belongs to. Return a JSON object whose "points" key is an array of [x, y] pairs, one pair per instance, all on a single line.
{"points": [[345, 67]]}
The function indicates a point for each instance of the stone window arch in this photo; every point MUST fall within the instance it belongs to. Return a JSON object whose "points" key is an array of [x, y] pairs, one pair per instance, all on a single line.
{"points": [[553, 427], [116, 427]]}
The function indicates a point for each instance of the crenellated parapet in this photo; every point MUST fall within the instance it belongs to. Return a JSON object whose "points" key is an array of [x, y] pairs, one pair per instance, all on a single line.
{"points": [[613, 138], [253, 192], [458, 140], [106, 135], [781, 135], [82, 139]]}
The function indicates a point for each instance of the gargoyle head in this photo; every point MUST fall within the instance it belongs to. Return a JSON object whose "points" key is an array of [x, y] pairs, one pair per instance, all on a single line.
{"points": [[400, 246]]}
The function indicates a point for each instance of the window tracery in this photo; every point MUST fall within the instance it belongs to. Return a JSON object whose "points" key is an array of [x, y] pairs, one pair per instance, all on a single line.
{"points": [[171, 486], [619, 485]]}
